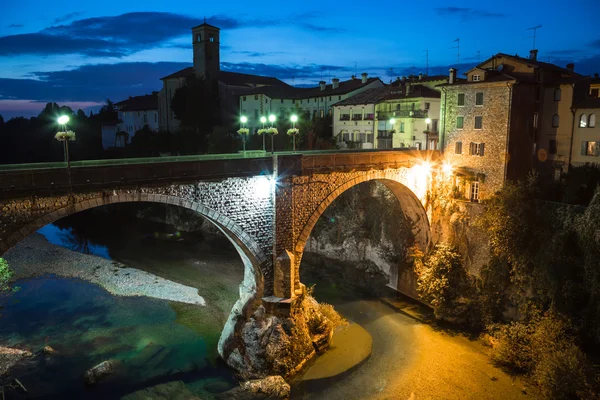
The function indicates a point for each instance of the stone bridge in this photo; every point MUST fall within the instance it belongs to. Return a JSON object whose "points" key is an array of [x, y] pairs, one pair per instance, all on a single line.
{"points": [[266, 206]]}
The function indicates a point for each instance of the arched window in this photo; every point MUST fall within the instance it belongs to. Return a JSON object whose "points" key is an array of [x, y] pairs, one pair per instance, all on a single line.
{"points": [[198, 37], [557, 94], [583, 121], [555, 120], [592, 121]]}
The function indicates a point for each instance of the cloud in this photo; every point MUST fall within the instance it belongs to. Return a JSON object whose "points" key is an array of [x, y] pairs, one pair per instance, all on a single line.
{"points": [[122, 35], [16, 25], [253, 54], [311, 71], [467, 13], [67, 17], [595, 43]]}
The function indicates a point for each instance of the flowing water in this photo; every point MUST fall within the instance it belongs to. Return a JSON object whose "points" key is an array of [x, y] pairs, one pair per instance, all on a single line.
{"points": [[153, 341]]}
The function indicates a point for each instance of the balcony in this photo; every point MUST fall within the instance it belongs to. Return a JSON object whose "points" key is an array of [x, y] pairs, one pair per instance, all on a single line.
{"points": [[345, 117], [381, 115], [357, 117]]}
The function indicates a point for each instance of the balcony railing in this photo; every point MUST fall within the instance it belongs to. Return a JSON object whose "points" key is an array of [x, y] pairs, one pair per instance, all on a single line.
{"points": [[357, 117], [402, 114], [345, 117]]}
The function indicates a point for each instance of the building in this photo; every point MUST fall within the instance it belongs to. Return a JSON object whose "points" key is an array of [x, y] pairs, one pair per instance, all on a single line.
{"points": [[585, 148], [354, 119], [132, 115], [402, 114], [510, 115], [408, 117], [230, 85], [316, 101]]}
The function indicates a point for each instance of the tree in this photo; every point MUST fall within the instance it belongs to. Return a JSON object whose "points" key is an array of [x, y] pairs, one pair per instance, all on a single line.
{"points": [[196, 106], [1, 120], [5, 276]]}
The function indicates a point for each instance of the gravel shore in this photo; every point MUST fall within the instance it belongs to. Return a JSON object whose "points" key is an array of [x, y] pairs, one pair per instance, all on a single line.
{"points": [[35, 256]]}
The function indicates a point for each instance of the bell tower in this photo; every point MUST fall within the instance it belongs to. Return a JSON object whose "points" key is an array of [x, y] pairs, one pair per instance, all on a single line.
{"points": [[205, 40]]}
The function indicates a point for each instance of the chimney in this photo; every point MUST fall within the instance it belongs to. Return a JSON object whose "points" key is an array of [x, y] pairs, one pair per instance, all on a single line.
{"points": [[420, 76], [364, 77], [409, 89], [571, 67], [452, 77], [335, 83], [323, 85], [533, 55]]}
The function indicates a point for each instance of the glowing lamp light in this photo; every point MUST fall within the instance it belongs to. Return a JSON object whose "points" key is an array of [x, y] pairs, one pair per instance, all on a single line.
{"points": [[244, 119], [447, 168], [63, 119], [272, 118], [263, 119], [393, 121], [425, 168], [263, 186], [294, 118], [427, 120]]}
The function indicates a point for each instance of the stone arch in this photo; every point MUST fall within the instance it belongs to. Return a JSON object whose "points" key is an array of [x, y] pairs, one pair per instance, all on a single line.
{"points": [[409, 203], [255, 261]]}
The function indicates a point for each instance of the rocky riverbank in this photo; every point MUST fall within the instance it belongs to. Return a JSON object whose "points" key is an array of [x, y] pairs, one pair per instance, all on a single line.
{"points": [[35, 256]]}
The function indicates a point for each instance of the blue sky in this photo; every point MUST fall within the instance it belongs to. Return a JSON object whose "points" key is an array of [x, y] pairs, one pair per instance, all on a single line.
{"points": [[80, 53]]}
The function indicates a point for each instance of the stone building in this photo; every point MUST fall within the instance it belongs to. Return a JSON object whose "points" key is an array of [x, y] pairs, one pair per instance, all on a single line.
{"points": [[229, 85], [133, 114], [510, 115]]}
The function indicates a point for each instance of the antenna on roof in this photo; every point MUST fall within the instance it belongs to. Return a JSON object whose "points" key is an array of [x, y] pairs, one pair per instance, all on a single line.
{"points": [[204, 19], [391, 74], [534, 29], [355, 69], [478, 56], [457, 47], [426, 62]]}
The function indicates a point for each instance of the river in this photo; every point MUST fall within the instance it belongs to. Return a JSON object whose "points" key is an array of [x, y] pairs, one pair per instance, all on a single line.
{"points": [[159, 341]]}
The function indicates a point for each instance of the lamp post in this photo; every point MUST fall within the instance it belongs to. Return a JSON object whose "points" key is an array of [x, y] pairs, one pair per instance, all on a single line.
{"points": [[64, 137], [263, 120], [243, 120], [294, 119], [272, 119]]}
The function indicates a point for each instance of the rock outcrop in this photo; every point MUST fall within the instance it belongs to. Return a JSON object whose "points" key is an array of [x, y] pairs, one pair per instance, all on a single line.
{"points": [[272, 387], [279, 344], [99, 372], [167, 391], [10, 357]]}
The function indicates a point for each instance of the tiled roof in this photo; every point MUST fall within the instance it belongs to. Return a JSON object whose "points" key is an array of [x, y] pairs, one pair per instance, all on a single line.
{"points": [[417, 90], [205, 24], [370, 96], [302, 93], [533, 63], [233, 78], [139, 103], [494, 77]]}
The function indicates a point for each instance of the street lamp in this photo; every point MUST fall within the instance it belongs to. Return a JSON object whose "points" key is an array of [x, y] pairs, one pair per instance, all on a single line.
{"points": [[65, 137], [294, 132], [263, 120], [392, 122], [243, 131], [272, 119]]}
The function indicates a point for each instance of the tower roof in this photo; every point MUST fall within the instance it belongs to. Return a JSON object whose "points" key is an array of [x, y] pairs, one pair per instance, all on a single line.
{"points": [[204, 24]]}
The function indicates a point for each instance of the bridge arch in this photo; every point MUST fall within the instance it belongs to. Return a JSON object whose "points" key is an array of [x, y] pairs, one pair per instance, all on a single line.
{"points": [[398, 183], [255, 261]]}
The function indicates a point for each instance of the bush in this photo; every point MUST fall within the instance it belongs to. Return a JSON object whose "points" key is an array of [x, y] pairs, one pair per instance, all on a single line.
{"points": [[336, 319], [5, 276], [544, 348]]}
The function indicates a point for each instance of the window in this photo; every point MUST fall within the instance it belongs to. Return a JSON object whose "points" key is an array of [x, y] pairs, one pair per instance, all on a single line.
{"points": [[479, 122], [345, 136], [362, 137], [255, 97], [244, 98], [322, 113], [293, 101], [458, 148], [329, 98], [370, 138], [434, 125], [595, 92], [476, 78], [316, 99], [397, 107], [369, 117], [339, 97], [592, 121], [427, 106], [266, 101], [356, 117], [461, 99], [557, 94], [476, 149], [460, 122], [590, 148], [535, 119], [344, 117], [583, 121], [479, 99], [552, 147], [402, 127], [555, 120], [211, 38], [198, 38], [474, 195]]}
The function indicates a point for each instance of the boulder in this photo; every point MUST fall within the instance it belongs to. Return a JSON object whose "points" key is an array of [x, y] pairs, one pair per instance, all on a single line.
{"points": [[10, 357], [176, 390], [47, 351], [99, 372], [271, 388]]}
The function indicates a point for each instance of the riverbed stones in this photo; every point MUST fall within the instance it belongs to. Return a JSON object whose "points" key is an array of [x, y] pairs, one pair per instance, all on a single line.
{"points": [[10, 357], [271, 388], [99, 372]]}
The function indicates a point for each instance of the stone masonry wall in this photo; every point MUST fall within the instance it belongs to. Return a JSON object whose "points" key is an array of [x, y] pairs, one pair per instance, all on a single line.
{"points": [[495, 113]]}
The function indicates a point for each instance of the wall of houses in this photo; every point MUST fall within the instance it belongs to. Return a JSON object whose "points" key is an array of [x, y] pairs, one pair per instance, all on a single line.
{"points": [[166, 116], [586, 137], [355, 123], [133, 121]]}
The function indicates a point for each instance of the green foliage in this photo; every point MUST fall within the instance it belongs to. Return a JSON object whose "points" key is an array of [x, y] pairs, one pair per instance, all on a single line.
{"points": [[543, 347], [442, 280], [196, 106], [336, 319], [5, 276]]}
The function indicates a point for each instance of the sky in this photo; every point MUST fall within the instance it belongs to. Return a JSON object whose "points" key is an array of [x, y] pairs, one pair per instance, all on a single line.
{"points": [[81, 53]]}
